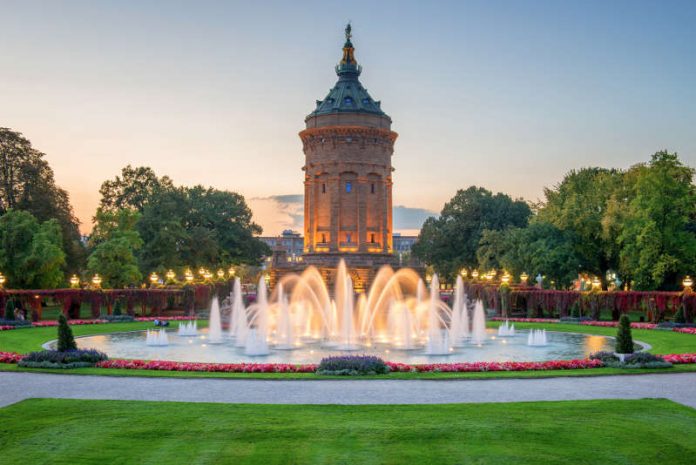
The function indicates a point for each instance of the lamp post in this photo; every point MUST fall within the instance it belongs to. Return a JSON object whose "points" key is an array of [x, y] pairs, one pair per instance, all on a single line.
{"points": [[523, 278], [74, 281], [464, 273], [506, 278], [221, 274], [171, 276], [596, 283], [475, 274], [96, 281], [231, 271], [154, 278], [188, 276], [687, 283], [2, 280]]}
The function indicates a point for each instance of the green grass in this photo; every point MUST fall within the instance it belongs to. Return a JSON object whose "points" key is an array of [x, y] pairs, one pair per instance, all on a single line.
{"points": [[50, 431], [31, 339]]}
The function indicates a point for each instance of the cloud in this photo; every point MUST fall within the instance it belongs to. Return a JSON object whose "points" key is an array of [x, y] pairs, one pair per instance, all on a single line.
{"points": [[276, 213]]}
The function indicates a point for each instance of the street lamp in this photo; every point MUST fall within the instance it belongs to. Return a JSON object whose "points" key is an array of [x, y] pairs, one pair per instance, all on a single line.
{"points": [[475, 274], [596, 283], [188, 276], [687, 283], [171, 276], [154, 278], [221, 273], [74, 281], [506, 278], [231, 271], [464, 273], [524, 277], [96, 281], [2, 280], [207, 275], [201, 271]]}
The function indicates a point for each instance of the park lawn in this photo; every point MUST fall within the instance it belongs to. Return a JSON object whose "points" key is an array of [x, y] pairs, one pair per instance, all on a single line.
{"points": [[62, 431]]}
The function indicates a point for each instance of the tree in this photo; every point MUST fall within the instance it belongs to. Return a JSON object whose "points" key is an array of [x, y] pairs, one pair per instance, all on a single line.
{"points": [[540, 248], [578, 204], [27, 183], [114, 244], [66, 340], [655, 238], [132, 190], [624, 339], [450, 242], [31, 252]]}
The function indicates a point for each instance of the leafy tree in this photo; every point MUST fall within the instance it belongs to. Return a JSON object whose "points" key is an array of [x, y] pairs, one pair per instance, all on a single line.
{"points": [[450, 242], [624, 339], [66, 340], [656, 242], [540, 248], [132, 190], [578, 204], [31, 252], [27, 183], [114, 244]]}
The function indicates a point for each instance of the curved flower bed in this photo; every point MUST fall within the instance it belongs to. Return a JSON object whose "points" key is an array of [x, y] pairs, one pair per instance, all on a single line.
{"points": [[602, 324], [51, 323], [209, 367]]}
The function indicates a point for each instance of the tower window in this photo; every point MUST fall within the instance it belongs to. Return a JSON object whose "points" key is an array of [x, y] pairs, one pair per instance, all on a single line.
{"points": [[372, 238], [349, 186], [323, 238], [372, 188], [323, 188], [348, 100], [348, 238]]}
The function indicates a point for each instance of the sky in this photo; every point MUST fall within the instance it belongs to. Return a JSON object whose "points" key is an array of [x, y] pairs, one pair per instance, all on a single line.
{"points": [[508, 95]]}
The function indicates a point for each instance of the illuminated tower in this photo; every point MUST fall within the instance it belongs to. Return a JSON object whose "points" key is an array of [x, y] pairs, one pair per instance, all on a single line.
{"points": [[348, 144]]}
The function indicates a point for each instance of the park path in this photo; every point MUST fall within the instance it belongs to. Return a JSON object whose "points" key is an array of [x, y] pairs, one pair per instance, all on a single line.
{"points": [[18, 386]]}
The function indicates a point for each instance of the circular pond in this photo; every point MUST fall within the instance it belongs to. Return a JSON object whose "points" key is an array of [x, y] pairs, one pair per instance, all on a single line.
{"points": [[559, 346]]}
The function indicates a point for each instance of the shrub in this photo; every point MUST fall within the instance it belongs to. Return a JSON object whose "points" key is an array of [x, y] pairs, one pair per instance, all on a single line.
{"points": [[15, 322], [66, 340], [118, 318], [352, 365], [67, 359], [117, 309], [680, 316], [9, 310], [624, 340], [606, 357], [645, 360], [575, 310]]}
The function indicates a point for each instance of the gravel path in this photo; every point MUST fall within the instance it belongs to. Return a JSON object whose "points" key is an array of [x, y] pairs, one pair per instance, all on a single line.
{"points": [[18, 386]]}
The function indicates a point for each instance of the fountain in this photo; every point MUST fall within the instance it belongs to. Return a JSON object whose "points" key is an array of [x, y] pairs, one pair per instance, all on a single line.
{"points": [[438, 336], [156, 338], [238, 315], [478, 327], [537, 338], [187, 329], [214, 323], [459, 326], [506, 329], [257, 332]]}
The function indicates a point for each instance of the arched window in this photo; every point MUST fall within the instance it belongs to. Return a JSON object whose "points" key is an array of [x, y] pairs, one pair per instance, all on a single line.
{"points": [[323, 188], [372, 238], [372, 188], [349, 186]]}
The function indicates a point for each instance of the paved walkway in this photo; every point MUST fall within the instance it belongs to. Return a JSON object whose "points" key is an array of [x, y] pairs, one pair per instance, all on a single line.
{"points": [[18, 386]]}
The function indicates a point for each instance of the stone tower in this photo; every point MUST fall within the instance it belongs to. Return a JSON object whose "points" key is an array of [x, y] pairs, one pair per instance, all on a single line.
{"points": [[348, 144]]}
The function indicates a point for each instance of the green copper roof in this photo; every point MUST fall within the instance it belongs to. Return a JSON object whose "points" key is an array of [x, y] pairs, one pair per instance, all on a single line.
{"points": [[348, 95]]}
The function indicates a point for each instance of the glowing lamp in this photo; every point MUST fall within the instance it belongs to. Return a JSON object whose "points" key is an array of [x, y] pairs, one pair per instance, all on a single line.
{"points": [[2, 280], [154, 278], [506, 278], [74, 281], [464, 273], [596, 283], [171, 276], [231, 271], [220, 273], [687, 283], [188, 276], [96, 280], [207, 275], [201, 271], [475, 274], [524, 277]]}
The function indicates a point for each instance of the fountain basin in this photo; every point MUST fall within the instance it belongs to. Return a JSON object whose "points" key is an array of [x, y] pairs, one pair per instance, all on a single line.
{"points": [[560, 346]]}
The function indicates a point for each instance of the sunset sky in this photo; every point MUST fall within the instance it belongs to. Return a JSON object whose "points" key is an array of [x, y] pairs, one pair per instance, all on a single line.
{"points": [[505, 95]]}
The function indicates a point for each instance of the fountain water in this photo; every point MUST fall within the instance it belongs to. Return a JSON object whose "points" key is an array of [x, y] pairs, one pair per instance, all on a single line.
{"points": [[156, 338], [238, 315], [506, 329], [537, 337], [438, 336], [285, 339], [257, 335], [459, 326], [214, 323], [478, 327], [187, 329]]}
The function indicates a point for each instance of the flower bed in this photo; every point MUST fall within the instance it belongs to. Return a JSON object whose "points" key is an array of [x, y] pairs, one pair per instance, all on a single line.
{"points": [[684, 330], [469, 367], [614, 324], [526, 320], [52, 323], [208, 367]]}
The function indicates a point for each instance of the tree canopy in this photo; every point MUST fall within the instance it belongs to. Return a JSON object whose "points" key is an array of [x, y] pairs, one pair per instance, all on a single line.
{"points": [[450, 242], [27, 183], [31, 253]]}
